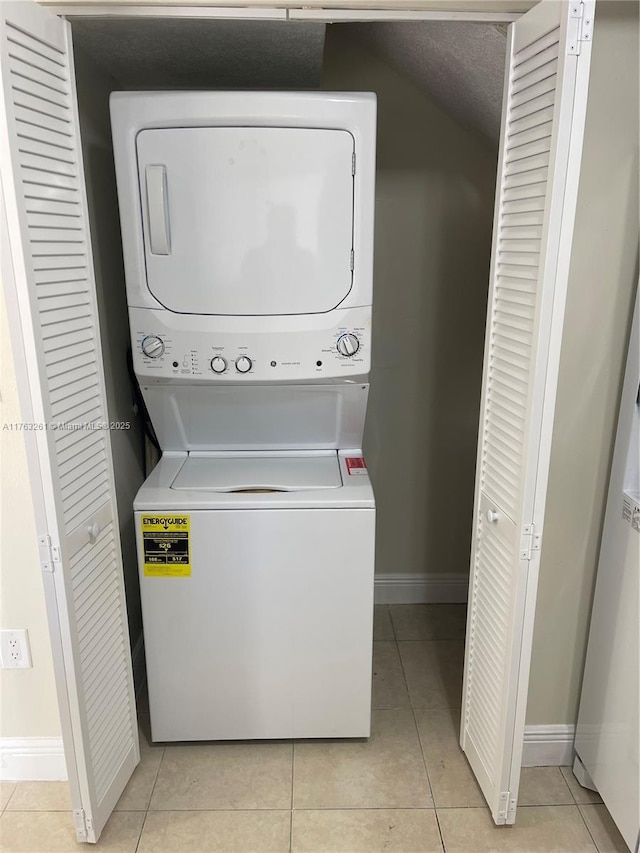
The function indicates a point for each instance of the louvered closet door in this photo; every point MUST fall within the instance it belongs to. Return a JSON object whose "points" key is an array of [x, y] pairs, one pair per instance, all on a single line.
{"points": [[48, 237], [540, 149]]}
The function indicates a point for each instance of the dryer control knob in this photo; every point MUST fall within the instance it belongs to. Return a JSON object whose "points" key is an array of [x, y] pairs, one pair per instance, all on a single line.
{"points": [[243, 364], [153, 346], [348, 344], [218, 364]]}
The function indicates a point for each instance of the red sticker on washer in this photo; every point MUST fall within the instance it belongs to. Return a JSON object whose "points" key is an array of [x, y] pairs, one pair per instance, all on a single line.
{"points": [[355, 465]]}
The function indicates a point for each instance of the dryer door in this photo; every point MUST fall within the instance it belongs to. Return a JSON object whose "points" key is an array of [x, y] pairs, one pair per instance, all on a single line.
{"points": [[247, 220]]}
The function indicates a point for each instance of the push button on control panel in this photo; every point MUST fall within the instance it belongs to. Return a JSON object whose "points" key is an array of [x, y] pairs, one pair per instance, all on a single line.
{"points": [[218, 364], [348, 344], [243, 364]]}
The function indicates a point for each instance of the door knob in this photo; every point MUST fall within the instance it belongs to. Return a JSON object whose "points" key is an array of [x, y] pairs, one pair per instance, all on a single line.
{"points": [[94, 531], [492, 516]]}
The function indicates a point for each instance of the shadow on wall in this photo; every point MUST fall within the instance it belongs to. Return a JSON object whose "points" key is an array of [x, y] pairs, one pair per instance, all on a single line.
{"points": [[434, 210]]}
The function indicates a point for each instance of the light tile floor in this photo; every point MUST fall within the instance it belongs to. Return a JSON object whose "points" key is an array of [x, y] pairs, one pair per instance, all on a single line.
{"points": [[406, 790]]}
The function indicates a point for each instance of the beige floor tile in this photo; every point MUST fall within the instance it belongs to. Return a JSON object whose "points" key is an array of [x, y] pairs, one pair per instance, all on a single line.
{"points": [[538, 829], [41, 797], [429, 621], [137, 794], [580, 795], [6, 790], [452, 782], [389, 686], [543, 786], [366, 831], [225, 776], [382, 627], [386, 771], [602, 828], [216, 832], [53, 832], [433, 671]]}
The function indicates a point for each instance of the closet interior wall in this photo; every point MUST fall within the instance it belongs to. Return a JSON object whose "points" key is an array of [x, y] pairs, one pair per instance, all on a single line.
{"points": [[435, 186], [434, 209]]}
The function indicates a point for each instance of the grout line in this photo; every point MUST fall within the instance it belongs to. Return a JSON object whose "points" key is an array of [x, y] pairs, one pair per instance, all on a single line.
{"points": [[573, 797], [426, 768], [565, 782], [577, 802], [406, 684], [6, 805], [528, 806], [293, 771], [155, 779], [313, 809], [291, 831], [444, 848], [393, 627], [144, 823], [591, 835]]}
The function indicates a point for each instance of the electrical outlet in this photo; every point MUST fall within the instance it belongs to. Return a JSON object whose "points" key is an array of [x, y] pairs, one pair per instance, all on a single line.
{"points": [[14, 649]]}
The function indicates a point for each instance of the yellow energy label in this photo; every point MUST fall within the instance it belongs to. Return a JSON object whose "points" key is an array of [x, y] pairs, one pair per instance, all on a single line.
{"points": [[166, 546]]}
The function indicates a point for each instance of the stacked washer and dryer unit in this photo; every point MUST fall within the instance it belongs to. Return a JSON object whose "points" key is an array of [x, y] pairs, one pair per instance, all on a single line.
{"points": [[247, 224]]}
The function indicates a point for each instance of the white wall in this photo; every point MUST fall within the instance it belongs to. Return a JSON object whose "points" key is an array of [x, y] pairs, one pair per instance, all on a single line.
{"points": [[434, 210], [603, 276], [28, 703]]}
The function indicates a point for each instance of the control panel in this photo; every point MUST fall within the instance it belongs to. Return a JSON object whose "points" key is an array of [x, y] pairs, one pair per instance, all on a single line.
{"points": [[286, 353]]}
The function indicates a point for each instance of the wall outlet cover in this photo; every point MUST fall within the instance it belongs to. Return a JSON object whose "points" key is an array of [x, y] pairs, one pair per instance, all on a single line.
{"points": [[14, 649]]}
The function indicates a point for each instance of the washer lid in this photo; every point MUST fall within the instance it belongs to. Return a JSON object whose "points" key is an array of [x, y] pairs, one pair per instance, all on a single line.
{"points": [[257, 472], [247, 220]]}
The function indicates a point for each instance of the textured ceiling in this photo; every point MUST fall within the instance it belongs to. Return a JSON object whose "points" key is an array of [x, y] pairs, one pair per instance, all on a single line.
{"points": [[169, 53], [460, 65]]}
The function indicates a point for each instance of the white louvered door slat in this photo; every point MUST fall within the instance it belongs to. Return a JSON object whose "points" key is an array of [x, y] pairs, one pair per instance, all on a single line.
{"points": [[48, 239], [544, 108]]}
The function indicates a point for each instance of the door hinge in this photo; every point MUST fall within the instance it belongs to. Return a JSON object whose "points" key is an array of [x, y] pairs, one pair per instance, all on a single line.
{"points": [[353, 163], [352, 260], [506, 808], [49, 554], [81, 824], [530, 540], [580, 28]]}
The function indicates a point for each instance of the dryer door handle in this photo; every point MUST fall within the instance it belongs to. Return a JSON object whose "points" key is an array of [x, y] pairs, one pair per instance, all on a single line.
{"points": [[157, 209]]}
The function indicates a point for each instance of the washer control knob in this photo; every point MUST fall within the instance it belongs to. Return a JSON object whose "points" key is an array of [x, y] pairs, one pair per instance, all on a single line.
{"points": [[218, 364], [243, 364], [153, 346], [348, 344]]}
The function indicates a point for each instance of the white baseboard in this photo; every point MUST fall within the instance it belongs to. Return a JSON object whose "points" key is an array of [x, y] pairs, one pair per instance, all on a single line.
{"points": [[32, 759], [421, 589], [548, 746]]}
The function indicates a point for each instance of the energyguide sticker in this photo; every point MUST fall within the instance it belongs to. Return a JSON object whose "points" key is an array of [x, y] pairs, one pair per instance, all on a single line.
{"points": [[166, 545]]}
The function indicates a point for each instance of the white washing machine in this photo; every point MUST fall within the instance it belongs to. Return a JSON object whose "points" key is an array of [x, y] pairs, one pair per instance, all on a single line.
{"points": [[247, 222]]}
